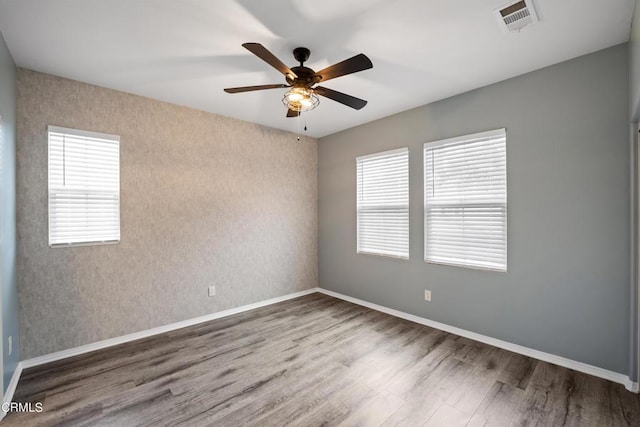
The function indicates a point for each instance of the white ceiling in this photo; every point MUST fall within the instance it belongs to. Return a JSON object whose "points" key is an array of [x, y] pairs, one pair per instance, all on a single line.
{"points": [[187, 51]]}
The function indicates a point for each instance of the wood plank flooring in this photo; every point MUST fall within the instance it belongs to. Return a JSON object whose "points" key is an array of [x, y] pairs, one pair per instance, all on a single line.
{"points": [[316, 360]]}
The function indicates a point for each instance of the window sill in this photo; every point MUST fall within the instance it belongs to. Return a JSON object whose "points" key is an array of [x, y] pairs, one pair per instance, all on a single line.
{"points": [[472, 267], [383, 255], [70, 245]]}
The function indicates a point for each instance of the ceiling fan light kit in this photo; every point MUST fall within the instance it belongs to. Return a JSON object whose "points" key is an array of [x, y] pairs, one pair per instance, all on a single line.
{"points": [[300, 98], [302, 81]]}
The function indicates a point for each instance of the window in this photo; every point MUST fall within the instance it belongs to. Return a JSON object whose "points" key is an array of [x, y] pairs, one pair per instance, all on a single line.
{"points": [[84, 187], [383, 203], [465, 201]]}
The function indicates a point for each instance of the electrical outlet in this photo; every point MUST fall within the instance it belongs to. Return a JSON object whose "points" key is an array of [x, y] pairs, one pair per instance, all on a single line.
{"points": [[427, 295], [10, 346], [212, 291]]}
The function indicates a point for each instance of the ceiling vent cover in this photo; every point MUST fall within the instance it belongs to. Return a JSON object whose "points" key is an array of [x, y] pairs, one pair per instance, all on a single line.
{"points": [[516, 15]]}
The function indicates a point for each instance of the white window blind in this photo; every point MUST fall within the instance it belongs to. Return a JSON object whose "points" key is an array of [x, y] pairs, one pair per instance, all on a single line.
{"points": [[84, 187], [383, 203], [465, 201]]}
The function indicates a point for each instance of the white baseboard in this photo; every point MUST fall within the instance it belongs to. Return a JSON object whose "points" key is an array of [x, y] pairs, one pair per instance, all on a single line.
{"points": [[58, 355], [526, 351], [536, 354], [11, 389]]}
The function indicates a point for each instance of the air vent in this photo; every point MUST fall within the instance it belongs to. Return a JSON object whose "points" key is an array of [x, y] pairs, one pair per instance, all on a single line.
{"points": [[516, 15]]}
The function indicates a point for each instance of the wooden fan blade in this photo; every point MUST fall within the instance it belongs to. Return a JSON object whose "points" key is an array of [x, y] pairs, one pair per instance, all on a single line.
{"points": [[348, 66], [250, 88], [291, 113], [261, 52], [343, 98]]}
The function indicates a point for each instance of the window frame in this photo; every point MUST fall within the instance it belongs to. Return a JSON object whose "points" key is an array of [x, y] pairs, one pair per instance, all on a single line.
{"points": [[501, 132], [358, 159], [81, 134]]}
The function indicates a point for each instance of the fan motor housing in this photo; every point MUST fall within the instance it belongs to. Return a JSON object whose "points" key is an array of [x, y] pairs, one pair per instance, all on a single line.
{"points": [[306, 76]]}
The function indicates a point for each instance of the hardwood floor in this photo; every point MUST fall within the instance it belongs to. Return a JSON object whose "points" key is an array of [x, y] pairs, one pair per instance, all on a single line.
{"points": [[316, 360]]}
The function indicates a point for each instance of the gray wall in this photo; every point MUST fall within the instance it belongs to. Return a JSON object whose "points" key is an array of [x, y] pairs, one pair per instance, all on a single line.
{"points": [[8, 211], [633, 259], [634, 74], [205, 200], [634, 54], [566, 291]]}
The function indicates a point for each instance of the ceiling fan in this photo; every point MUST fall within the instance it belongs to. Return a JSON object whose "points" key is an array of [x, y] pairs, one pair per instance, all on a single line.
{"points": [[303, 95]]}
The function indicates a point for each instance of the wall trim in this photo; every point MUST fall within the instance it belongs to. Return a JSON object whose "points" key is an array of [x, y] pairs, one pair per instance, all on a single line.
{"points": [[76, 351], [11, 389], [516, 348]]}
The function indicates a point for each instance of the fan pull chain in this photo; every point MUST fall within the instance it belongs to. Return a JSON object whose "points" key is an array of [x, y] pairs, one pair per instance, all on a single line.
{"points": [[298, 126]]}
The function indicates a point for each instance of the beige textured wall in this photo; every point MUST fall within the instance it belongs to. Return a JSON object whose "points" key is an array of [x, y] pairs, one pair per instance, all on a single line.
{"points": [[205, 200]]}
